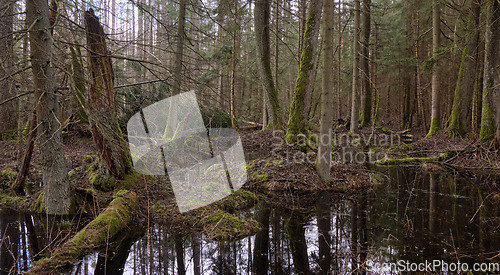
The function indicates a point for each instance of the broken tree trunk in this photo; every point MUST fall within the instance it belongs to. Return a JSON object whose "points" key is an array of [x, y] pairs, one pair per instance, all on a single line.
{"points": [[23, 172], [114, 158]]}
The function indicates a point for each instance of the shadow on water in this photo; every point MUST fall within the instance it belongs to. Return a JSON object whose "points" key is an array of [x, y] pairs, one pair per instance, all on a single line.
{"points": [[414, 217]]}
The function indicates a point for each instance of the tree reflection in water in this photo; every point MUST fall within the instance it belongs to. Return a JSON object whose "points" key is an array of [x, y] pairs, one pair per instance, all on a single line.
{"points": [[414, 217]]}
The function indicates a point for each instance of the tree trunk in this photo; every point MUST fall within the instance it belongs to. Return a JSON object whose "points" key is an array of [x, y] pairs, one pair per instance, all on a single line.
{"points": [[78, 77], [461, 115], [305, 78], [114, 157], [436, 43], [302, 25], [491, 81], [366, 115], [420, 95], [8, 120], [324, 157], [179, 51], [234, 56], [26, 160], [339, 61], [478, 91], [373, 73], [261, 17], [355, 69], [58, 191]]}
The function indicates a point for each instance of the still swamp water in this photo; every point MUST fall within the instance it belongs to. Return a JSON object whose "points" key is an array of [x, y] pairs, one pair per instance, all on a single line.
{"points": [[413, 217]]}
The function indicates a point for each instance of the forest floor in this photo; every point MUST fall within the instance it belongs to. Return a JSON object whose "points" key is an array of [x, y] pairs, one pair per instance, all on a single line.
{"points": [[275, 167], [280, 174]]}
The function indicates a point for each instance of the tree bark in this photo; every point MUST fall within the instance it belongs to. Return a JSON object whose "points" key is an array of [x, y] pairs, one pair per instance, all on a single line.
{"points": [[324, 158], [355, 69], [26, 161], [305, 78], [56, 186], [418, 75], [179, 51], [366, 115], [461, 115], [114, 157], [78, 78], [436, 43], [261, 17], [234, 56], [490, 112], [8, 120]]}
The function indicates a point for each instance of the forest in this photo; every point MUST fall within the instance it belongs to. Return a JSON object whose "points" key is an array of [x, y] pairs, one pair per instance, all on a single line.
{"points": [[250, 137]]}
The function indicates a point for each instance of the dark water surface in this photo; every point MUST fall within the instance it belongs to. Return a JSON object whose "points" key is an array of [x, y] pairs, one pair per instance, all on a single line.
{"points": [[413, 218]]}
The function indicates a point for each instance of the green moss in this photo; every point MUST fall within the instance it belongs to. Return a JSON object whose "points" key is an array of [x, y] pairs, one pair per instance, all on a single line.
{"points": [[8, 175], [89, 191], [221, 225], [488, 126], [127, 158], [251, 165], [376, 178], [120, 194], [13, 202], [262, 177], [402, 148], [27, 127], [435, 126], [9, 135], [88, 158], [406, 161], [129, 180], [72, 174], [102, 182], [239, 200], [39, 205], [296, 123], [115, 218], [456, 126]]}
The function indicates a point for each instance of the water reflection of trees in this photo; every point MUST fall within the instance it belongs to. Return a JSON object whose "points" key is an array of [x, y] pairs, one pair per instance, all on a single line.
{"points": [[23, 237], [415, 217]]}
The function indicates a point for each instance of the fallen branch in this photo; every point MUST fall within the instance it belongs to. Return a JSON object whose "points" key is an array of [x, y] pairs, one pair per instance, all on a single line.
{"points": [[256, 124]]}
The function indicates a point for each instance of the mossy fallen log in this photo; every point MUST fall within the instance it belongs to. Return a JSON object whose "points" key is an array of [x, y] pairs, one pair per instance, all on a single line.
{"points": [[445, 156], [407, 161], [119, 213], [14, 202]]}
